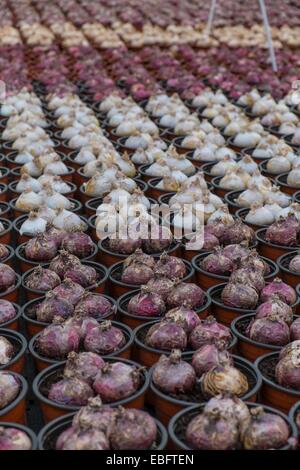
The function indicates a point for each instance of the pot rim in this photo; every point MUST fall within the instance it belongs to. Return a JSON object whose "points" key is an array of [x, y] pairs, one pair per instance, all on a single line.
{"points": [[134, 286], [289, 391], [7, 333], [197, 268], [43, 263], [45, 324], [184, 353], [50, 361], [244, 397], [77, 205], [68, 419], [205, 306], [246, 339], [21, 395], [8, 223], [292, 414], [284, 183], [281, 259], [239, 214], [93, 264], [180, 444], [226, 307], [259, 234], [16, 171], [32, 436], [58, 365], [237, 309], [12, 185], [177, 244], [24, 217], [10, 256]]}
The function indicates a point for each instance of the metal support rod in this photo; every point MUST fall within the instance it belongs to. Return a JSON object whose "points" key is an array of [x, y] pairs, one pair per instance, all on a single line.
{"points": [[262, 5], [268, 34], [210, 17]]}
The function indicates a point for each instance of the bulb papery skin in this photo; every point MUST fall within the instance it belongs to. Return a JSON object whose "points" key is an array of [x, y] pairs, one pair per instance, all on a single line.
{"points": [[9, 388], [285, 292], [14, 439], [212, 433], [265, 431], [188, 294], [166, 335], [146, 304], [223, 379], [239, 296], [7, 311], [133, 430], [172, 375], [82, 439], [269, 330], [117, 381], [70, 391]]}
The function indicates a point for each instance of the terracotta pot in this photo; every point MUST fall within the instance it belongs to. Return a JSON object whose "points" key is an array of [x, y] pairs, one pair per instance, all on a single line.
{"points": [[272, 393], [167, 406], [271, 250], [206, 279], [34, 326], [15, 412], [48, 435], [52, 374], [16, 364], [42, 362], [247, 347], [118, 288], [136, 320], [281, 181], [108, 257], [24, 429], [148, 356], [287, 275], [180, 421]]}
